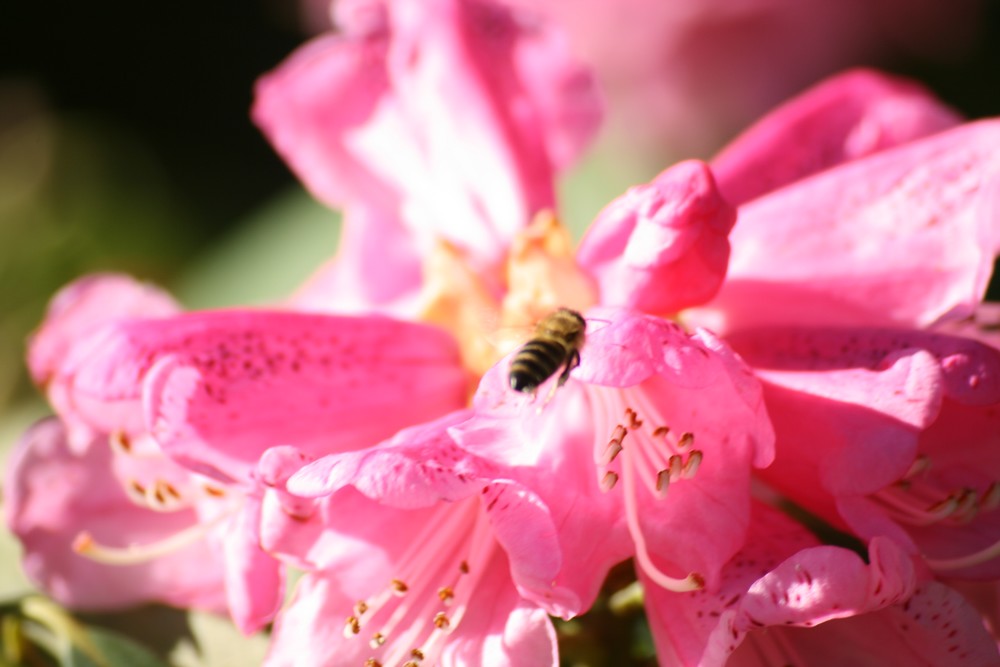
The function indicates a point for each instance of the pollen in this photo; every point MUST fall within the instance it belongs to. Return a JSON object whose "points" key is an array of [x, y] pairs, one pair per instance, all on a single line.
{"points": [[352, 626], [446, 595], [399, 587], [441, 620]]}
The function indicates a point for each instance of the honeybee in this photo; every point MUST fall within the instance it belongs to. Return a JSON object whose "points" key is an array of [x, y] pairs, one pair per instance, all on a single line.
{"points": [[557, 342]]}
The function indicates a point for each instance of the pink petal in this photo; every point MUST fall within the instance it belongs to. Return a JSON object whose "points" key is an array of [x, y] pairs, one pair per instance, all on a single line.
{"points": [[970, 371], [84, 305], [502, 630], [255, 581], [664, 246], [551, 453], [778, 579], [843, 118], [370, 236], [418, 467], [903, 237], [934, 628], [452, 113], [75, 312], [52, 494], [219, 388], [524, 527]]}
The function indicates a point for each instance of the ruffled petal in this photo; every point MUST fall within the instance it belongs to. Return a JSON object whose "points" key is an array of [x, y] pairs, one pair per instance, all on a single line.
{"points": [[843, 118], [418, 467], [778, 579], [903, 237], [663, 246]]}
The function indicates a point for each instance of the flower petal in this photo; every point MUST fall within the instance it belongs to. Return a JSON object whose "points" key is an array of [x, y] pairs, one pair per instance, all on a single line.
{"points": [[778, 579], [76, 311], [230, 384], [459, 112], [255, 581], [843, 118], [903, 237], [664, 246], [418, 467]]}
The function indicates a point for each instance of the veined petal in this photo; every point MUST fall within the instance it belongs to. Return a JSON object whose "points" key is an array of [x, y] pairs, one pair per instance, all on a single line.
{"points": [[502, 630], [663, 246], [418, 467], [970, 371], [52, 495], [779, 578], [903, 237], [843, 118], [219, 388]]}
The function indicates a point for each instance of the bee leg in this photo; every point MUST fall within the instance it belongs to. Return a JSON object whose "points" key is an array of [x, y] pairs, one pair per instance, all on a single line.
{"points": [[571, 362]]}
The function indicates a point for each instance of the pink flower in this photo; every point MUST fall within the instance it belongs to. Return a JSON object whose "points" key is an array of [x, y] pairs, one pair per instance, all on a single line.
{"points": [[888, 433], [426, 121], [430, 555], [662, 426], [54, 493], [215, 389], [879, 613]]}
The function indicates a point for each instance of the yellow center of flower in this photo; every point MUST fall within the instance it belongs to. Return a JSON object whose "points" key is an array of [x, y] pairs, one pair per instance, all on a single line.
{"points": [[491, 314]]}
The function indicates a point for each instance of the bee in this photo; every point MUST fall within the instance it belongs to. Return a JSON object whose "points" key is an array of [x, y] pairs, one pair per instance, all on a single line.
{"points": [[557, 342]]}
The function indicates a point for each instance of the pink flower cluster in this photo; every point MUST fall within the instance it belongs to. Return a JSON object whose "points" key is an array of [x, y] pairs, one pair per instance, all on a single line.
{"points": [[779, 341]]}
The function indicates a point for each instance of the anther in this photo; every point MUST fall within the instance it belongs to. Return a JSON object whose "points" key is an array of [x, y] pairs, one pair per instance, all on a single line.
{"points": [[137, 487], [692, 464], [618, 435], [943, 508], [372, 662], [920, 464], [662, 483], [398, 587], [609, 480], [352, 626], [446, 594], [377, 640], [966, 506], [171, 490], [661, 431], [613, 449], [686, 440], [991, 498], [676, 465], [360, 607], [214, 491], [411, 663], [633, 418], [417, 654], [441, 620], [120, 442], [463, 567]]}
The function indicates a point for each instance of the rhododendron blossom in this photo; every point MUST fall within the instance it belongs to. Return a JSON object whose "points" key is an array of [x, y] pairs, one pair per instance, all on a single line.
{"points": [[435, 525]]}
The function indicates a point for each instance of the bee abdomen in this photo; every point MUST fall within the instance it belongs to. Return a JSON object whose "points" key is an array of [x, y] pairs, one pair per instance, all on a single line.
{"points": [[535, 363]]}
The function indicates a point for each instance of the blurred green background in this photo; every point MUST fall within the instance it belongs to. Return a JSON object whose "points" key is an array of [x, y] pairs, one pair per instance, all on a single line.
{"points": [[125, 145]]}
